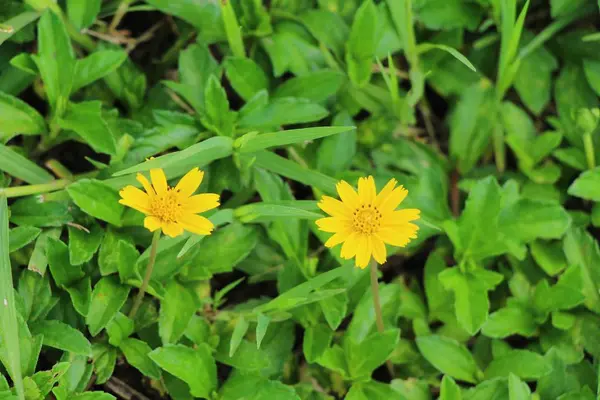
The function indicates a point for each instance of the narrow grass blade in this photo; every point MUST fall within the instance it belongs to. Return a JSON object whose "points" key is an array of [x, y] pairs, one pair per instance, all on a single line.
{"points": [[258, 212], [232, 29], [15, 24], [20, 167], [425, 47], [8, 312]]}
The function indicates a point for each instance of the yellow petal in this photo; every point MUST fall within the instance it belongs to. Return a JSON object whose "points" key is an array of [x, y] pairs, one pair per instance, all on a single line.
{"points": [[367, 190], [135, 198], [159, 181], [337, 239], [334, 207], [393, 200], [399, 235], [196, 224], [379, 251], [146, 184], [400, 217], [349, 247], [190, 182], [152, 223], [348, 194], [385, 192], [172, 229], [332, 224], [363, 251], [201, 202]]}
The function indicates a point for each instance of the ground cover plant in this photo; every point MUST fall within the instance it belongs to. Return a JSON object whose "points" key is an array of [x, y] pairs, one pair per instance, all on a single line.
{"points": [[299, 199]]}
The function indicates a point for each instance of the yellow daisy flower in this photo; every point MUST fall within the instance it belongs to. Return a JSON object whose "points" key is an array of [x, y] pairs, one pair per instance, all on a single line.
{"points": [[171, 209], [365, 221]]}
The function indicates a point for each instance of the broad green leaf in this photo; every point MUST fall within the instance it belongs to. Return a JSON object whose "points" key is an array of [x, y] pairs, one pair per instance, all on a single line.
{"points": [[361, 45], [21, 236], [83, 14], [364, 357], [83, 244], [261, 328], [217, 115], [327, 27], [107, 299], [96, 66], [16, 23], [105, 358], [239, 331], [35, 211], [582, 250], [246, 76], [281, 111], [449, 390], [97, 199], [119, 329], [39, 260], [63, 272], [517, 390], [316, 340], [19, 118], [86, 120], [177, 359], [93, 396], [136, 353], [317, 86], [176, 310], [8, 313], [449, 357], [508, 321], [587, 185], [61, 336], [525, 364], [528, 220], [254, 387], [253, 143]]}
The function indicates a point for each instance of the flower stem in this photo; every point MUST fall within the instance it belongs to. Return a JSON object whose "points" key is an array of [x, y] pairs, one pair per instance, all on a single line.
{"points": [[140, 296], [377, 306]]}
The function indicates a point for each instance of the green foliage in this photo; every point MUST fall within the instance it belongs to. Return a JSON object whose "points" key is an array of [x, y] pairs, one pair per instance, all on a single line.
{"points": [[485, 111]]}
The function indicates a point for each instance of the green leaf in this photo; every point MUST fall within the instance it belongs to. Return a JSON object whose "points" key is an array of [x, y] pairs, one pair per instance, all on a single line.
{"points": [[21, 236], [177, 359], [35, 211], [253, 143], [84, 244], [97, 66], [83, 14], [107, 299], [261, 328], [232, 29], [137, 354], [582, 250], [105, 358], [449, 357], [525, 364], [254, 387], [317, 339], [19, 118], [528, 220], [93, 396], [587, 185], [470, 292], [119, 329], [425, 47], [517, 389], [361, 45], [8, 313], [239, 331], [364, 357], [258, 212], [317, 86], [17, 23], [55, 60], [217, 116], [508, 321], [86, 120], [246, 76], [61, 336], [176, 310], [206, 17], [39, 261], [449, 390], [63, 272], [97, 199], [282, 111], [20, 167]]}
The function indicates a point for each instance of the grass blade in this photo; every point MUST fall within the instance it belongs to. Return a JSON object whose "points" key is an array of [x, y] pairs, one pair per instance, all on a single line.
{"points": [[8, 313], [425, 47], [232, 29], [15, 24], [20, 167]]}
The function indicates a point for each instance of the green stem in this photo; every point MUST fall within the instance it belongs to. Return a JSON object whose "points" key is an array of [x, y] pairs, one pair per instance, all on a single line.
{"points": [[590, 155], [140, 296], [377, 306], [499, 149], [35, 189], [121, 11]]}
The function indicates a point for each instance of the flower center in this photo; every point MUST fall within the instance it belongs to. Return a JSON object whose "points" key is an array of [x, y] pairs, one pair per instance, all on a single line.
{"points": [[366, 219], [166, 207]]}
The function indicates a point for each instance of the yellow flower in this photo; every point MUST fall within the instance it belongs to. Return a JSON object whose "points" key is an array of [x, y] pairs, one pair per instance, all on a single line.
{"points": [[365, 221], [172, 209]]}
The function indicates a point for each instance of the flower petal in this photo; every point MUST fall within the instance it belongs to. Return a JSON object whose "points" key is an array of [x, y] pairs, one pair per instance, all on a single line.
{"points": [[379, 251], [349, 247], [363, 251], [400, 217], [190, 182], [201, 202], [366, 190], [337, 239], [159, 181], [398, 235], [385, 192], [152, 223], [334, 207], [196, 224], [146, 184], [332, 224], [172, 229], [135, 198], [348, 194], [393, 200]]}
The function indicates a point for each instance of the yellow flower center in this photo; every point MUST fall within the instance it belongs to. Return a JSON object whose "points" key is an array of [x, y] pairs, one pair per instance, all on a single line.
{"points": [[367, 219], [166, 207]]}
